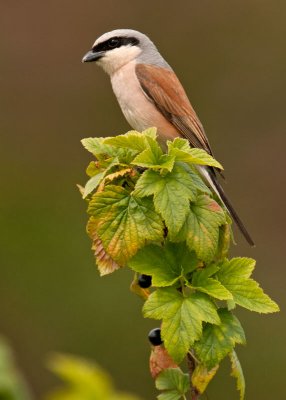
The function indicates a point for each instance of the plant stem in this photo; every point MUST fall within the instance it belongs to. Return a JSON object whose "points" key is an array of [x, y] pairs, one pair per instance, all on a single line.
{"points": [[191, 363]]}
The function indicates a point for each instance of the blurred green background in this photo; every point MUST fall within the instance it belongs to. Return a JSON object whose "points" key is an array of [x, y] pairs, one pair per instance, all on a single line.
{"points": [[231, 58]]}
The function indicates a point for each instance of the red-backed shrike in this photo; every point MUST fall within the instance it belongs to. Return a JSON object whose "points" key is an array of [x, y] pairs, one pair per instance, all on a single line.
{"points": [[150, 94]]}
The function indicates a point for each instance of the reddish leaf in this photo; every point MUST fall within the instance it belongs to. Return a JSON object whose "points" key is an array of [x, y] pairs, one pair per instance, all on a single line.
{"points": [[160, 360]]}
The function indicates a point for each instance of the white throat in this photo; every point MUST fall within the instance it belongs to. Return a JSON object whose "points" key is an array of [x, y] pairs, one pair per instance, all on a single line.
{"points": [[114, 59]]}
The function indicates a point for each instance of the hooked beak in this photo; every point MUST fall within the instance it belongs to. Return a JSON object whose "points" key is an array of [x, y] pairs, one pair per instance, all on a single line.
{"points": [[92, 56]]}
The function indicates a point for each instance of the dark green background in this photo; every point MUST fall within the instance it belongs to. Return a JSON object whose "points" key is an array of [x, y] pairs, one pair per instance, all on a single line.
{"points": [[231, 58]]}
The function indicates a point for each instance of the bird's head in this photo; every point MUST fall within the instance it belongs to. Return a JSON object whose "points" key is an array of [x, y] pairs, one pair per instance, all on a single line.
{"points": [[114, 49]]}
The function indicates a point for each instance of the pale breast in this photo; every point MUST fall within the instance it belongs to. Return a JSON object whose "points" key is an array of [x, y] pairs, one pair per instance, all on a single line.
{"points": [[140, 112]]}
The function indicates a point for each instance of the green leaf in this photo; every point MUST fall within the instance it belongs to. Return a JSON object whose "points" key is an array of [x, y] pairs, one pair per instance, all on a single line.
{"points": [[124, 222], [165, 264], [201, 377], [234, 275], [108, 169], [196, 178], [82, 373], [182, 317], [93, 168], [12, 384], [183, 152], [153, 157], [132, 140], [83, 380], [92, 184], [201, 281], [238, 267], [230, 304], [172, 194], [236, 372], [224, 241], [179, 143], [102, 150], [201, 228], [152, 132], [218, 340], [170, 395], [147, 160], [97, 147], [173, 382]]}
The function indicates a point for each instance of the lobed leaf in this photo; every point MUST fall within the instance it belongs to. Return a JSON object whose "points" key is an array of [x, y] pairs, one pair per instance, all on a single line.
{"points": [[182, 318], [124, 222], [196, 178], [173, 382], [201, 227], [97, 147], [147, 160], [131, 140], [166, 264], [153, 157], [246, 292], [219, 340], [103, 151], [204, 283], [182, 152], [179, 143], [172, 194]]}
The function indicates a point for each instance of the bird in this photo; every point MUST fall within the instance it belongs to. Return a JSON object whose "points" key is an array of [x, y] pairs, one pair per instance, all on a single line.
{"points": [[150, 95]]}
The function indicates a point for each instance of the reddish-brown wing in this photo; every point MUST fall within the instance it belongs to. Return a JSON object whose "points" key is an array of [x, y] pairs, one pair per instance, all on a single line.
{"points": [[165, 90]]}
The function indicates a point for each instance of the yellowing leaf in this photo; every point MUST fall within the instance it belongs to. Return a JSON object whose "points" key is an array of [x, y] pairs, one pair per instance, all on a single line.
{"points": [[201, 377], [201, 228], [124, 222], [135, 288], [115, 175], [236, 372], [105, 263], [224, 241], [93, 168]]}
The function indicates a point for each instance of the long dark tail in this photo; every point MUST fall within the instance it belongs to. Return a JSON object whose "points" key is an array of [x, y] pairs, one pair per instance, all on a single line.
{"points": [[218, 188]]}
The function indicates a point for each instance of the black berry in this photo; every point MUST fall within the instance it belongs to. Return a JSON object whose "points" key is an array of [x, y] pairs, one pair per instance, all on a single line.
{"points": [[145, 281], [155, 337]]}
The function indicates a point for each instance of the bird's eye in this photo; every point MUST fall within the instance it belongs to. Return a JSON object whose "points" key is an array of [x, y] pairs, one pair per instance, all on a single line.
{"points": [[112, 43]]}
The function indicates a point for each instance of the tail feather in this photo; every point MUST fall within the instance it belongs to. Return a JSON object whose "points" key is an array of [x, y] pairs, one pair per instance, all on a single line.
{"points": [[210, 176]]}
